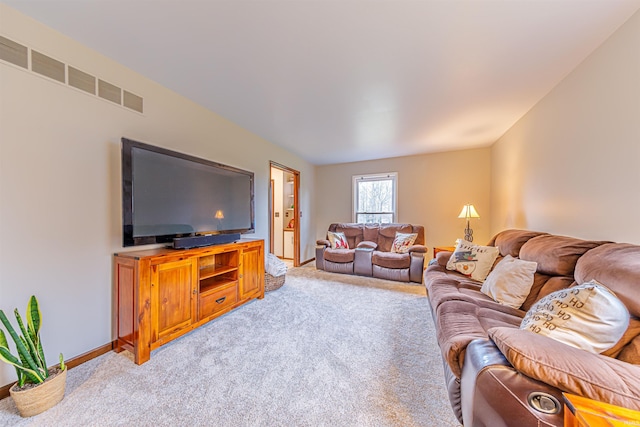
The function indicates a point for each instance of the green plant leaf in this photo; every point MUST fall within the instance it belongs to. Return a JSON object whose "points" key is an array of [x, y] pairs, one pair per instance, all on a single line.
{"points": [[43, 362], [5, 344], [30, 345], [6, 356], [44, 373], [22, 350], [3, 340], [34, 321], [33, 316]]}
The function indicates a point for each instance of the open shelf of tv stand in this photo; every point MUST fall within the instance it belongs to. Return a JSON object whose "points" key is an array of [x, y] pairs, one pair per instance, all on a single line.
{"points": [[164, 293], [208, 272], [209, 285], [217, 270]]}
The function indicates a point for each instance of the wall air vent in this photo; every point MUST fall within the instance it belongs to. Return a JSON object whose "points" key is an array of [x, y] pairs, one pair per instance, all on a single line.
{"points": [[109, 92], [47, 66], [17, 54], [81, 80], [132, 101], [14, 53]]}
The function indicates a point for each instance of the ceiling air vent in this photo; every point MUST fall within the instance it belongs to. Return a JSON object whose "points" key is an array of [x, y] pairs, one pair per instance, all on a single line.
{"points": [[81, 80], [109, 92], [13, 52], [132, 101], [47, 66]]}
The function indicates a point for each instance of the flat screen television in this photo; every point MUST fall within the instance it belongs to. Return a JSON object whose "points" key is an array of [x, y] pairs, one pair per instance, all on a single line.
{"points": [[168, 195]]}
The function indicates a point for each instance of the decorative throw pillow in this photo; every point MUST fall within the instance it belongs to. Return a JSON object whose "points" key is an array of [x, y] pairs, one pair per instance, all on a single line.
{"points": [[510, 281], [402, 242], [338, 240], [472, 260], [587, 316]]}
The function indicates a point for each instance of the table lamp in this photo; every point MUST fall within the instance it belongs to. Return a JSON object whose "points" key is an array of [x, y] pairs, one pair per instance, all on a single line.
{"points": [[468, 211]]}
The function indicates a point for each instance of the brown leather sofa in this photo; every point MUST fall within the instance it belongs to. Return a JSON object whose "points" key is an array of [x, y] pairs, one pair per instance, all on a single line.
{"points": [[369, 252], [478, 336]]}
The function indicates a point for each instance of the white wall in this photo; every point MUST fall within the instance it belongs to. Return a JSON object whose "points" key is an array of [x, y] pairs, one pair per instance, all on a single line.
{"points": [[60, 211], [432, 188], [571, 165]]}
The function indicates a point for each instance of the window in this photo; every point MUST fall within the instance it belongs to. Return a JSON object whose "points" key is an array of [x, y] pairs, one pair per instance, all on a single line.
{"points": [[374, 198]]}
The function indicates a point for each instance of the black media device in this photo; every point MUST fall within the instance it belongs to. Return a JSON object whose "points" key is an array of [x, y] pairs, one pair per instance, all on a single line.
{"points": [[206, 240], [170, 197]]}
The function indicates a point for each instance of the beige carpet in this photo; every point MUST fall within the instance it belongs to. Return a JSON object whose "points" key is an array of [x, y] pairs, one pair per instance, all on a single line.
{"points": [[323, 350]]}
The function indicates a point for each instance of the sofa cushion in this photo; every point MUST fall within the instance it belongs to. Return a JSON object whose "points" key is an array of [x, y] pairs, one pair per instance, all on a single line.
{"points": [[631, 352], [629, 335], [543, 285], [370, 232], [339, 255], [451, 286], [387, 234], [338, 240], [472, 260], [460, 322], [510, 241], [622, 276], [402, 242], [353, 232], [510, 281], [555, 255], [391, 260], [570, 369], [617, 265], [445, 286], [587, 316]]}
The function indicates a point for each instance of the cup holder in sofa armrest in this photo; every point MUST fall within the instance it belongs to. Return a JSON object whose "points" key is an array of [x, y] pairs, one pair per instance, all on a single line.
{"points": [[492, 390]]}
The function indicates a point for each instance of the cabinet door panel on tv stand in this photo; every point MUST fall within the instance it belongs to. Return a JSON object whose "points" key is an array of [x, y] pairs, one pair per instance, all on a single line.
{"points": [[252, 273], [173, 305]]}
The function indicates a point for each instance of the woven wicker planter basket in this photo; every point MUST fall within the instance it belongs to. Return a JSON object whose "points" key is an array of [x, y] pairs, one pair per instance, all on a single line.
{"points": [[33, 401], [272, 283]]}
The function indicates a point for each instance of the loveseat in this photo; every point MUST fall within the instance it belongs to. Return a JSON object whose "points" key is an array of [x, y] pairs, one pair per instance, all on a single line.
{"points": [[498, 374], [369, 252]]}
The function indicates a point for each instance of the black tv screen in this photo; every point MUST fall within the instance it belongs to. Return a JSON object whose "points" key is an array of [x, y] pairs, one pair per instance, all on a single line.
{"points": [[166, 194]]}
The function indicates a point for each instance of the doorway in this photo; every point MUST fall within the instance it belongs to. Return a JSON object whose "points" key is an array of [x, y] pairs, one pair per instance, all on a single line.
{"points": [[284, 213]]}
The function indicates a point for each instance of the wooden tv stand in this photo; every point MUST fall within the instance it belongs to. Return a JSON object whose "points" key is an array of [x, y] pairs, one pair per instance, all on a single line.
{"points": [[164, 293]]}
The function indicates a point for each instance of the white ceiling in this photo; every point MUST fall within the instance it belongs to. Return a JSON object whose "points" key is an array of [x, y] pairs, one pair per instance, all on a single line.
{"points": [[346, 80]]}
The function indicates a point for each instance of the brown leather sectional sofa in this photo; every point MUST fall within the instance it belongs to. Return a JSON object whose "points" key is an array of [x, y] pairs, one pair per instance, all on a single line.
{"points": [[369, 252], [478, 336]]}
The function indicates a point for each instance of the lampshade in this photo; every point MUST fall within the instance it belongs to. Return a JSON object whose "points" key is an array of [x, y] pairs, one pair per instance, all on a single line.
{"points": [[468, 211], [219, 214]]}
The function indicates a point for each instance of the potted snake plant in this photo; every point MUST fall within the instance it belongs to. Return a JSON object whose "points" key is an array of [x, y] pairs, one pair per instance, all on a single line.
{"points": [[38, 388]]}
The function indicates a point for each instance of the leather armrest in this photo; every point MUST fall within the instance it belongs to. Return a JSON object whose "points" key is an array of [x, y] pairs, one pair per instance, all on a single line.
{"points": [[323, 242], [416, 268], [492, 391], [442, 257], [362, 265], [577, 371], [418, 249], [366, 244]]}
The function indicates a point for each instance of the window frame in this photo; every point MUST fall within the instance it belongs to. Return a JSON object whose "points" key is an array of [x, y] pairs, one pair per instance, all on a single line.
{"points": [[374, 177]]}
